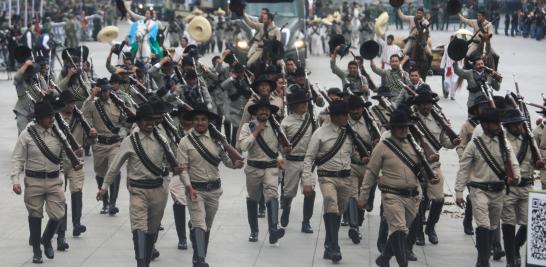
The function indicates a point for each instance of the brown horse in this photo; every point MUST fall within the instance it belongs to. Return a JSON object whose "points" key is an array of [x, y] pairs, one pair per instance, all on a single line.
{"points": [[418, 58]]}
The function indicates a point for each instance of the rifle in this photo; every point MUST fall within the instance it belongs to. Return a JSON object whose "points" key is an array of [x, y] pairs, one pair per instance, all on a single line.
{"points": [[66, 131], [121, 104], [430, 176], [362, 72], [507, 160], [358, 141], [66, 147], [311, 104], [233, 153], [169, 154], [437, 114], [79, 73], [521, 104], [528, 134], [281, 136], [374, 131]]}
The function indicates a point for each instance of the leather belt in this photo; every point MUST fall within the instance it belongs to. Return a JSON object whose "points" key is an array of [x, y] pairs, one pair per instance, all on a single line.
{"points": [[526, 181], [403, 192], [262, 164], [146, 184], [207, 186], [108, 140], [490, 187], [295, 158], [42, 174], [339, 174]]}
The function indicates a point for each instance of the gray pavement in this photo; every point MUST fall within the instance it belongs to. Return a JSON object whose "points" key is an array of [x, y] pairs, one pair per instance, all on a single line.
{"points": [[108, 239]]}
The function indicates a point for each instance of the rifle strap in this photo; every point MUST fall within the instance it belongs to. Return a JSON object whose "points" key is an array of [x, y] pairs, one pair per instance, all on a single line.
{"points": [[43, 147], [203, 151], [404, 157], [107, 122], [139, 150], [301, 131], [382, 118], [263, 144], [489, 159], [523, 150], [428, 135], [335, 148]]}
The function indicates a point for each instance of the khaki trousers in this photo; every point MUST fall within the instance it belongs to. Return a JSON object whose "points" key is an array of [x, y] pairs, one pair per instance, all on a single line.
{"points": [[44, 191], [260, 181], [203, 209], [486, 207], [102, 156], [336, 192], [514, 206], [146, 208], [399, 211], [292, 177], [435, 192], [75, 178]]}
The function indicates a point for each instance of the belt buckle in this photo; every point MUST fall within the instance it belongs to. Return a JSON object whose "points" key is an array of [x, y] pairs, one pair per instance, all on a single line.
{"points": [[209, 186], [490, 187], [337, 173]]}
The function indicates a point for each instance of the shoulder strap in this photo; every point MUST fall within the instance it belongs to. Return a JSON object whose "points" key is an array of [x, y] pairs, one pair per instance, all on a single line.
{"points": [[403, 156], [42, 146], [523, 150], [335, 148], [489, 159], [301, 131], [203, 151], [105, 118], [428, 135], [263, 144], [139, 150]]}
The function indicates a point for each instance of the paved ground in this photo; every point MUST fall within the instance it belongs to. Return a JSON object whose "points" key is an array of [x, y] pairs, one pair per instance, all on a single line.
{"points": [[108, 239]]}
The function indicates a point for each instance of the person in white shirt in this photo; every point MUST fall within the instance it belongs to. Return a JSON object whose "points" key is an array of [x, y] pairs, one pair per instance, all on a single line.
{"points": [[450, 77], [388, 49]]}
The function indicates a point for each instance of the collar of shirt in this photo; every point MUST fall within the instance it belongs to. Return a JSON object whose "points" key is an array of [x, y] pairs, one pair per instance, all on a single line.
{"points": [[43, 131], [487, 139], [334, 127], [513, 137], [359, 121], [143, 135], [427, 117], [205, 134]]}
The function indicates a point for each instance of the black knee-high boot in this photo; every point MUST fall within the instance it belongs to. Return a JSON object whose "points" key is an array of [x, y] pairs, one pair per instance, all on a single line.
{"points": [[179, 211], [495, 244], [227, 130], [467, 221], [508, 236], [61, 232], [48, 234], [398, 242], [352, 210], [252, 213], [140, 241], [35, 227], [433, 218], [383, 231], [77, 205], [114, 190], [483, 238], [105, 198], [261, 207], [275, 233], [521, 237], [308, 207], [286, 205]]}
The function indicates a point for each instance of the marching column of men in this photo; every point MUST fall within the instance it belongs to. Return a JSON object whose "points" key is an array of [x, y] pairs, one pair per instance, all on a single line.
{"points": [[357, 148]]}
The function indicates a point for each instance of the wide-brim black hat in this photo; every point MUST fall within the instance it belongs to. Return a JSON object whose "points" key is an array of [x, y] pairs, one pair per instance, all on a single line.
{"points": [[179, 110], [144, 111], [369, 49], [296, 97], [45, 108], [160, 106], [357, 102], [513, 116], [41, 60], [338, 107], [425, 97], [457, 48], [69, 51], [400, 117], [263, 102], [490, 115], [22, 53], [66, 97], [335, 91], [263, 79], [396, 3], [299, 72], [478, 100], [454, 7], [200, 110], [103, 84]]}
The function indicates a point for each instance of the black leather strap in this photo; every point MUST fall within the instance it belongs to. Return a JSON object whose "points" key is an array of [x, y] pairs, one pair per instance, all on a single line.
{"points": [[403, 192], [105, 118], [335, 148], [404, 157], [301, 131], [146, 184], [489, 159], [203, 151], [523, 150], [207, 186], [428, 135], [139, 150], [42, 174], [339, 174], [263, 144], [43, 147]]}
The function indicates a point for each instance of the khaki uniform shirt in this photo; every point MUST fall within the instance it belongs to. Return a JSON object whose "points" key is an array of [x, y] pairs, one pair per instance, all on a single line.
{"points": [[526, 166], [255, 152], [274, 100], [466, 136], [322, 141], [271, 33], [435, 129], [196, 168], [136, 170], [394, 172], [75, 127], [233, 108], [291, 125], [27, 156], [93, 117], [73, 84], [472, 166], [24, 104], [538, 133]]}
